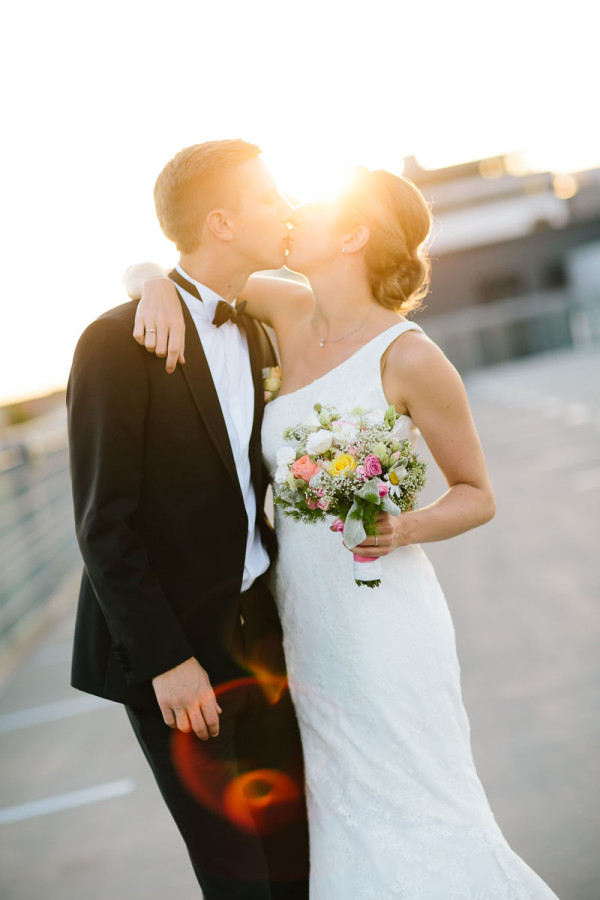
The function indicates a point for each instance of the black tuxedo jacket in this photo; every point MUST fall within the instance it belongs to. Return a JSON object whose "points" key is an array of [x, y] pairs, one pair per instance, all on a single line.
{"points": [[159, 512]]}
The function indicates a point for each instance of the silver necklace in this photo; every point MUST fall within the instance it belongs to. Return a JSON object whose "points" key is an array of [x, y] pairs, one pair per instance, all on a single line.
{"points": [[323, 341]]}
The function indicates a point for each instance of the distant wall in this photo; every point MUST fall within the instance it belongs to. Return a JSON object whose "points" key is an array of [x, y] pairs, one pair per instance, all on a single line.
{"points": [[534, 263], [492, 333]]}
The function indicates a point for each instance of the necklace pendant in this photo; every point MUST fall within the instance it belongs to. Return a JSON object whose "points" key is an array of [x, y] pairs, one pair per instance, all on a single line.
{"points": [[322, 342]]}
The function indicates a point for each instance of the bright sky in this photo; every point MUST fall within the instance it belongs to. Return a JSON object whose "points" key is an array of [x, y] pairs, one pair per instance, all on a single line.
{"points": [[100, 96]]}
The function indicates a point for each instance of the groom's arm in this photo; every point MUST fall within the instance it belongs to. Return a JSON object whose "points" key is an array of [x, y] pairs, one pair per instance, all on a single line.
{"points": [[107, 398]]}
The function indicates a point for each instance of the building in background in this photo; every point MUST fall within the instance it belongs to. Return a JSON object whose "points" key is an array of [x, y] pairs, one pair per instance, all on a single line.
{"points": [[516, 259]]}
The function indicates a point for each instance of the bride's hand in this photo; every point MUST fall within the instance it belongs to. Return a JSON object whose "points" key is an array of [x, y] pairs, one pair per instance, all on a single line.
{"points": [[392, 532], [159, 324]]}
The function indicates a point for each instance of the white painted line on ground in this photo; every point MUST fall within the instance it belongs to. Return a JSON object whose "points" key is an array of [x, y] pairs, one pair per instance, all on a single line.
{"points": [[67, 801], [51, 712]]}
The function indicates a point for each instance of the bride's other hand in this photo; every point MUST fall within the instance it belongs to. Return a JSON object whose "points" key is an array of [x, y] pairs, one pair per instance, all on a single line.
{"points": [[159, 324], [392, 532]]}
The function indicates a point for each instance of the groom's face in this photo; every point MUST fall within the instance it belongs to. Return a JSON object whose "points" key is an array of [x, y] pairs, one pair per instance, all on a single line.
{"points": [[260, 218]]}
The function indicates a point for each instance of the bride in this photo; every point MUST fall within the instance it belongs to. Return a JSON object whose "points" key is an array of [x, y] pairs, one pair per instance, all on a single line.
{"points": [[396, 809]]}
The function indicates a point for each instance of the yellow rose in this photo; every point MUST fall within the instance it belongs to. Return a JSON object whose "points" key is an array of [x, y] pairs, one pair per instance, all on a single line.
{"points": [[343, 463]]}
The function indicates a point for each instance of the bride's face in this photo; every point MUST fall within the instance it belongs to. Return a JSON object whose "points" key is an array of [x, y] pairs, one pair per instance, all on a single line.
{"points": [[315, 237]]}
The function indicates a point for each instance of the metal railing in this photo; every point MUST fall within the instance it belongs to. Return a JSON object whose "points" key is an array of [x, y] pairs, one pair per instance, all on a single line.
{"points": [[37, 537], [484, 335]]}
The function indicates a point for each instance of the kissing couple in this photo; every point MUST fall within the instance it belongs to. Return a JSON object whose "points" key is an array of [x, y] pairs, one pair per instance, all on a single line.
{"points": [[308, 736]]}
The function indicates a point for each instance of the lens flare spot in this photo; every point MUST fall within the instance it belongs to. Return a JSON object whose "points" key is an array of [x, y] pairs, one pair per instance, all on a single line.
{"points": [[263, 799]]}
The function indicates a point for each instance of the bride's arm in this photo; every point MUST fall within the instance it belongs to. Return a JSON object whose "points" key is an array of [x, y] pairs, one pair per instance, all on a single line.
{"points": [[420, 380], [135, 276], [159, 324]]}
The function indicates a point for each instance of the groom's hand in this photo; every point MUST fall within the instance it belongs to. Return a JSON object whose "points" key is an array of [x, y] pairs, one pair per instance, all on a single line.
{"points": [[187, 700]]}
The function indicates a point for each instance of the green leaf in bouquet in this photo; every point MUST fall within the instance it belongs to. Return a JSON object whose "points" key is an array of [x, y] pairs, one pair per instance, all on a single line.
{"points": [[354, 530], [369, 492]]}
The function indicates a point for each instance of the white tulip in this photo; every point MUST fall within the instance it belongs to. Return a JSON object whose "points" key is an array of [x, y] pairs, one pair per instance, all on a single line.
{"points": [[281, 474], [345, 435], [312, 423], [374, 417], [286, 456], [318, 442]]}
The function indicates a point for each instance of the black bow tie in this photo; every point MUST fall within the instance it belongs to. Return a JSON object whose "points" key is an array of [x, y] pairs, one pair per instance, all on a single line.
{"points": [[224, 312]]}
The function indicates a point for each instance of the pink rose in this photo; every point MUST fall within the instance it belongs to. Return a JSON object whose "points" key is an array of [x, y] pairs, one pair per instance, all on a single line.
{"points": [[337, 525], [372, 465], [383, 489], [304, 468], [312, 504], [361, 472], [323, 504]]}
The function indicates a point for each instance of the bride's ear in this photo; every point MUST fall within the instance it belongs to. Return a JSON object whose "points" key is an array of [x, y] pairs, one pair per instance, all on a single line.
{"points": [[219, 224], [355, 240]]}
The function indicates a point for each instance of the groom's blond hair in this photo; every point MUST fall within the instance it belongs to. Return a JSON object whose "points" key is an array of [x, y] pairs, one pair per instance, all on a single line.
{"points": [[195, 181]]}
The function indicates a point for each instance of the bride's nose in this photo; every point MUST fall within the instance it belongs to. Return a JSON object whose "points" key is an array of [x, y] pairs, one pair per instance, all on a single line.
{"points": [[295, 217]]}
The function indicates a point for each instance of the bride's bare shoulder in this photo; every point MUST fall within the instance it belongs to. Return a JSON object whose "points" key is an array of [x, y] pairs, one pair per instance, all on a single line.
{"points": [[414, 353]]}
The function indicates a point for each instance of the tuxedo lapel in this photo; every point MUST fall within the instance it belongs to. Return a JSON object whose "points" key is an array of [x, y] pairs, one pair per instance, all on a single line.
{"points": [[257, 361], [202, 387]]}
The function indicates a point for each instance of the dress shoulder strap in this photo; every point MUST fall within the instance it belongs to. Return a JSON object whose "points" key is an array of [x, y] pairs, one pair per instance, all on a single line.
{"points": [[385, 340]]}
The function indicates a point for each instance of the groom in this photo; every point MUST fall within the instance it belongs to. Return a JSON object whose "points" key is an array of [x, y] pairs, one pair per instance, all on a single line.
{"points": [[175, 619]]}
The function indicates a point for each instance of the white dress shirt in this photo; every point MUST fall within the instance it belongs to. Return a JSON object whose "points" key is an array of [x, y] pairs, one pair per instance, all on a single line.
{"points": [[226, 350]]}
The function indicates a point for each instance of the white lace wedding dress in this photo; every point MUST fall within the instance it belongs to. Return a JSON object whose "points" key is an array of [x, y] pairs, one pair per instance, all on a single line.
{"points": [[396, 809]]}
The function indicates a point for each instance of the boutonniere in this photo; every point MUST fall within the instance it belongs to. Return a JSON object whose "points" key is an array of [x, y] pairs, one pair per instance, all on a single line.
{"points": [[271, 382]]}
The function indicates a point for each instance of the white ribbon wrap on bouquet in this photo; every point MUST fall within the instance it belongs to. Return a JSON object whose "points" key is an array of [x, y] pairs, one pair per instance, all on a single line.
{"points": [[366, 568]]}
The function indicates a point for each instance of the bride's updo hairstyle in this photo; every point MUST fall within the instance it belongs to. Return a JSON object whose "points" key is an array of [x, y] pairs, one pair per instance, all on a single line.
{"points": [[398, 219]]}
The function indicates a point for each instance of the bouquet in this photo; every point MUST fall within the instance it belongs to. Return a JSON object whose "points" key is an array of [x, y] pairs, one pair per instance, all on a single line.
{"points": [[351, 466]]}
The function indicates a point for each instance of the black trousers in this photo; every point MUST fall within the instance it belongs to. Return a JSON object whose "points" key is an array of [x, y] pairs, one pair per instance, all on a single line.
{"points": [[238, 799]]}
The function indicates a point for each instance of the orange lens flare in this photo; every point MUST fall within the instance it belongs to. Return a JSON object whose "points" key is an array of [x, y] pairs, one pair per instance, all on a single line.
{"points": [[272, 684], [261, 799]]}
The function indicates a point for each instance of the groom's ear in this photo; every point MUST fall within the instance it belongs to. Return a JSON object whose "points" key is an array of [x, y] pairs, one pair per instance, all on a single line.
{"points": [[355, 240], [219, 223]]}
